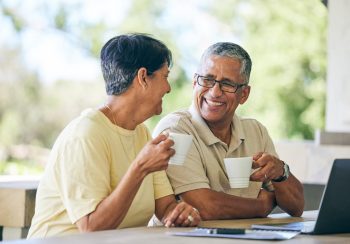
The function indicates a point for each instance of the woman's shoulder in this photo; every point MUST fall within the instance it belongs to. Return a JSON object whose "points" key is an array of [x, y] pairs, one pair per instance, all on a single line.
{"points": [[88, 124]]}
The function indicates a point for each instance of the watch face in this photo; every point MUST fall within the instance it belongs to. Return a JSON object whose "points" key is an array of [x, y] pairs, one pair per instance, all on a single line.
{"points": [[286, 170]]}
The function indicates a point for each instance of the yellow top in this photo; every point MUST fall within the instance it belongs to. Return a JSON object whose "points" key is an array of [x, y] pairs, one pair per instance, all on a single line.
{"points": [[204, 166], [86, 164]]}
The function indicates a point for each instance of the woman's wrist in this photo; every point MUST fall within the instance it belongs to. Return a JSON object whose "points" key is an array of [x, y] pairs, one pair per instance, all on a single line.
{"points": [[138, 171]]}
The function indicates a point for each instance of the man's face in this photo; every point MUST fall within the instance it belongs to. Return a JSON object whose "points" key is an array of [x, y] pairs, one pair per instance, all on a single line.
{"points": [[214, 105]]}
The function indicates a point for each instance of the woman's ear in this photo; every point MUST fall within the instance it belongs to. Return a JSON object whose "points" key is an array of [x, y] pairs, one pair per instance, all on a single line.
{"points": [[141, 77]]}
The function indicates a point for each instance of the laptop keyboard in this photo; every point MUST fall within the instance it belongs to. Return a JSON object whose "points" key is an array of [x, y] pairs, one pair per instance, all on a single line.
{"points": [[308, 226], [304, 227]]}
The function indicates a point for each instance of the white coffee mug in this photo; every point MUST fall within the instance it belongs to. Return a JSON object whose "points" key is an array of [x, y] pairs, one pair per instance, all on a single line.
{"points": [[238, 171], [182, 144]]}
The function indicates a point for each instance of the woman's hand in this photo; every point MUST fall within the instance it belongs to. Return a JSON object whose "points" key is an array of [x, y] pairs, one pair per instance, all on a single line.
{"points": [[155, 155], [183, 215]]}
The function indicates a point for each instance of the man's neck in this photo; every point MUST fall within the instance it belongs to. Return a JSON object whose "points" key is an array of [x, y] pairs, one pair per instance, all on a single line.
{"points": [[221, 131]]}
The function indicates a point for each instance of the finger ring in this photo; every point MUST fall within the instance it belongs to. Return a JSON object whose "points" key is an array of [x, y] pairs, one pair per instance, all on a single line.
{"points": [[265, 177], [190, 218], [196, 210]]}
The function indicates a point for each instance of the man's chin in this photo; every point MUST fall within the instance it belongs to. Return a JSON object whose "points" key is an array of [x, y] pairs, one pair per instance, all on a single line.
{"points": [[210, 115], [210, 118]]}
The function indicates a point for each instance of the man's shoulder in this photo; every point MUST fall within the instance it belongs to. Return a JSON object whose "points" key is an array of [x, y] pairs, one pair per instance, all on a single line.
{"points": [[246, 121], [172, 120], [251, 126], [179, 114]]}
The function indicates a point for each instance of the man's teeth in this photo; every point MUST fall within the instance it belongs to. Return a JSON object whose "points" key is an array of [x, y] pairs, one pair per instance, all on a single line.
{"points": [[212, 103]]}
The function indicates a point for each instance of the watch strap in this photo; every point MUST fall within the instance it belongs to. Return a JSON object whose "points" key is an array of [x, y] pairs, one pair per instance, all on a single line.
{"points": [[285, 174]]}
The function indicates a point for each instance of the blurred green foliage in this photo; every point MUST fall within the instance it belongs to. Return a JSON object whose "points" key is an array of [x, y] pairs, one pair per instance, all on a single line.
{"points": [[19, 167], [286, 40], [288, 48]]}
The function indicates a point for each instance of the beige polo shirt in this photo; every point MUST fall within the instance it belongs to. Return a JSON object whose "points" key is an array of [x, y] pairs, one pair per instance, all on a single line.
{"points": [[204, 165]]}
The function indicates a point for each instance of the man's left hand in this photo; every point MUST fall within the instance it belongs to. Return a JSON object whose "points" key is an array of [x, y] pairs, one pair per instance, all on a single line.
{"points": [[269, 166]]}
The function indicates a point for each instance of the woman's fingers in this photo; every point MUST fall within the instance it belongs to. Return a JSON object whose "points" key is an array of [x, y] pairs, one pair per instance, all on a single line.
{"points": [[183, 215]]}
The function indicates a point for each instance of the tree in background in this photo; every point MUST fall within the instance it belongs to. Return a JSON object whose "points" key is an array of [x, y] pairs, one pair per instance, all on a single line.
{"points": [[287, 43]]}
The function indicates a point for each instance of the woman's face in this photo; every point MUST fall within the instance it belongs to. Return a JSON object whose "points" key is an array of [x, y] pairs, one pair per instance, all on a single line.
{"points": [[158, 87]]}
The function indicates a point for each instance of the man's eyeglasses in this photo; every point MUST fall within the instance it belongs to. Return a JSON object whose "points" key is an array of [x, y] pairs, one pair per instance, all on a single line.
{"points": [[225, 86]]}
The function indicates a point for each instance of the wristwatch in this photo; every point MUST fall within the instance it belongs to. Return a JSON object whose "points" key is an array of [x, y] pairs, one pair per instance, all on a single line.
{"points": [[285, 174]]}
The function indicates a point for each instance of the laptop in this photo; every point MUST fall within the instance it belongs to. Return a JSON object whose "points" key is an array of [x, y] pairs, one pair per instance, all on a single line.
{"points": [[334, 210]]}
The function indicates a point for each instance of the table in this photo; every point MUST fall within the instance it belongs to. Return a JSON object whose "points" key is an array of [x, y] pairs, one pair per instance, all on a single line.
{"points": [[146, 235]]}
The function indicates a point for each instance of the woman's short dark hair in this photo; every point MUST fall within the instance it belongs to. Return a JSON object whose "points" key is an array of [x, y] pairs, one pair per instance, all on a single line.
{"points": [[122, 56]]}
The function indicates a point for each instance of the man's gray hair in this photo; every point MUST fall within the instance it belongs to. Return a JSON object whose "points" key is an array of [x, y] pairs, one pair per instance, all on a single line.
{"points": [[232, 50]]}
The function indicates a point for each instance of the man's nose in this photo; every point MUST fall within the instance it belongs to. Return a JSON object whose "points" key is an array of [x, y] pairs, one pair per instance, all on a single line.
{"points": [[216, 90]]}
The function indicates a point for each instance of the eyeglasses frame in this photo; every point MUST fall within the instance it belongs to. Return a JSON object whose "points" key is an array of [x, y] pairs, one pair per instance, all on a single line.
{"points": [[238, 86]]}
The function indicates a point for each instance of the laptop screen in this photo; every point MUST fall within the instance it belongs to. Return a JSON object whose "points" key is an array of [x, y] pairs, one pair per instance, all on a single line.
{"points": [[334, 211]]}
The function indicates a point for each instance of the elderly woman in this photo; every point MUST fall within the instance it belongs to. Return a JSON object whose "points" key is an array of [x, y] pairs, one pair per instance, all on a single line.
{"points": [[105, 171]]}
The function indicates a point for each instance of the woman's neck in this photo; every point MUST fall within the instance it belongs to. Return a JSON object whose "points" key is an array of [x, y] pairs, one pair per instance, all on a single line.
{"points": [[122, 112]]}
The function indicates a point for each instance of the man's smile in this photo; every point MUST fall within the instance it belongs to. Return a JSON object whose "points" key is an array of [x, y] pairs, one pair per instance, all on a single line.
{"points": [[213, 103]]}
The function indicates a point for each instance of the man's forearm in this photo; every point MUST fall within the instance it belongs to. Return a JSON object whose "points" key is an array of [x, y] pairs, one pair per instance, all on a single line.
{"points": [[290, 196], [218, 205]]}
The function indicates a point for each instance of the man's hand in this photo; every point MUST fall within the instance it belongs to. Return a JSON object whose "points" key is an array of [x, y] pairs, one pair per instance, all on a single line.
{"points": [[269, 166], [268, 201], [289, 193]]}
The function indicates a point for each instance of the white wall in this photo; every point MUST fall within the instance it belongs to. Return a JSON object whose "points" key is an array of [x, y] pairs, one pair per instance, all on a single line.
{"points": [[309, 162], [338, 78]]}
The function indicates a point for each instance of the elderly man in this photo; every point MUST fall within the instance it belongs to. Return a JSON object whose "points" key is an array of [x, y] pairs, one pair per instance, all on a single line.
{"points": [[220, 85]]}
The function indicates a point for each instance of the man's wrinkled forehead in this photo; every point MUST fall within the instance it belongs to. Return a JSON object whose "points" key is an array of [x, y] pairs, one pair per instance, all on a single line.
{"points": [[219, 65], [206, 64]]}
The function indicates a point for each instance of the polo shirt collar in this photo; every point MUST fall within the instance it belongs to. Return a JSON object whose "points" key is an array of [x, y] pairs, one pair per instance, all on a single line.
{"points": [[207, 135], [237, 132]]}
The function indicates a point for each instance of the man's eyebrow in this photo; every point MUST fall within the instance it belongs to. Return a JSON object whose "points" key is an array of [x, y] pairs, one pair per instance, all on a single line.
{"points": [[224, 79], [209, 76], [231, 81]]}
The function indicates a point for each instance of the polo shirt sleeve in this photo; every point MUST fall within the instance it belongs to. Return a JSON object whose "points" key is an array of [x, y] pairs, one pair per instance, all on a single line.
{"points": [[192, 174], [82, 175], [189, 176]]}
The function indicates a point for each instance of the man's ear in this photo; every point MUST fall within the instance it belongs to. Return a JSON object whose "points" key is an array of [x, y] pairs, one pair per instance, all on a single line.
{"points": [[194, 81], [245, 94], [141, 77]]}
